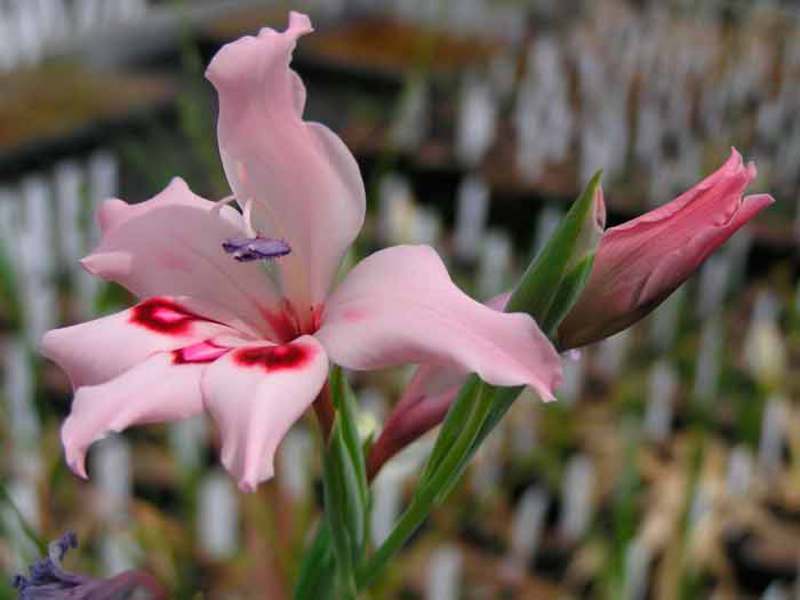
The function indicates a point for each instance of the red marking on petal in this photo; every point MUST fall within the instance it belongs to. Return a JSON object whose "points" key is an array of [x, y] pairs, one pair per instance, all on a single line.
{"points": [[354, 315], [275, 358], [163, 316], [203, 352]]}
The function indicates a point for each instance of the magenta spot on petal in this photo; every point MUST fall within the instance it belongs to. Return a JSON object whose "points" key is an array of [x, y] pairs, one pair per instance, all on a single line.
{"points": [[353, 315], [203, 352], [163, 316], [275, 358]]}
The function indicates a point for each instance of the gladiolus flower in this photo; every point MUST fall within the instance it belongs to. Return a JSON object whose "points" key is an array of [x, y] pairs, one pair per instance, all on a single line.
{"points": [[641, 262], [637, 266], [236, 315]]}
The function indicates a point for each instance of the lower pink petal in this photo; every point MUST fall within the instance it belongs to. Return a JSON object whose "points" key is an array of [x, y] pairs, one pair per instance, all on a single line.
{"points": [[159, 389], [255, 393], [400, 306]]}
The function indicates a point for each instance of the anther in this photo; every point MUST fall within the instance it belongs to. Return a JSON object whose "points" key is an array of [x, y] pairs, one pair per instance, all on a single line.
{"points": [[257, 248]]}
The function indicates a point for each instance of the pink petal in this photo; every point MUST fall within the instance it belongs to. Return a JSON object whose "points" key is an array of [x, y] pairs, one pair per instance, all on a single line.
{"points": [[423, 404], [400, 306], [171, 245], [159, 389], [255, 393], [304, 182], [97, 351]]}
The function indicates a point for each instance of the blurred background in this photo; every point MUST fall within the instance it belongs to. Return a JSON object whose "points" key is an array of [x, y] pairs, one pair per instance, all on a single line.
{"points": [[670, 467]]}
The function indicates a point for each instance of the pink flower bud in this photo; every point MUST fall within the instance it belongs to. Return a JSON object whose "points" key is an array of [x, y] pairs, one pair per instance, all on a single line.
{"points": [[641, 262]]}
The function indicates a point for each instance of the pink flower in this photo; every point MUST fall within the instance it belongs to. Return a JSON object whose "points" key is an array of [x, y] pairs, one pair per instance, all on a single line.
{"points": [[641, 262], [249, 342], [637, 266]]}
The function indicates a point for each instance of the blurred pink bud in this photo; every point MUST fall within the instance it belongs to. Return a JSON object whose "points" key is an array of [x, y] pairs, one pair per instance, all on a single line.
{"points": [[641, 262], [423, 405]]}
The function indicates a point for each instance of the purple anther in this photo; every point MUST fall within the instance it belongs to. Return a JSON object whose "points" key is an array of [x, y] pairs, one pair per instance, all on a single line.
{"points": [[258, 248]]}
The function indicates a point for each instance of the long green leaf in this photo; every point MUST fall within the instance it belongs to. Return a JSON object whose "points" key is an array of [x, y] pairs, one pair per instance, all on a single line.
{"points": [[575, 238], [27, 528], [315, 578], [340, 501], [345, 488]]}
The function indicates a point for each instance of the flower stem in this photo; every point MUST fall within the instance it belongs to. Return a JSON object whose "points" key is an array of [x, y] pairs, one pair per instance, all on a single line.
{"points": [[428, 493], [323, 407]]}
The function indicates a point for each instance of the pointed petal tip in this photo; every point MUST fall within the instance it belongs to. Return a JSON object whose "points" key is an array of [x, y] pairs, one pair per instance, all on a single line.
{"points": [[176, 184], [299, 23], [754, 203], [76, 460], [735, 163], [546, 391], [250, 483], [248, 472], [74, 453], [107, 265], [48, 343], [247, 486]]}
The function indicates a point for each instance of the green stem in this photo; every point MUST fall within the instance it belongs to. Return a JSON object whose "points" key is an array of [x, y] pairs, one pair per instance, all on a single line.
{"points": [[427, 492]]}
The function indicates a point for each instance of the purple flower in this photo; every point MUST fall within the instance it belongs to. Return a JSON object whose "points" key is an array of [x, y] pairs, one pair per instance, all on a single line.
{"points": [[47, 580]]}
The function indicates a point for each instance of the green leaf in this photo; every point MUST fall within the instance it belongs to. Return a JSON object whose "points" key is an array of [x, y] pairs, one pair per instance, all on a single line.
{"points": [[344, 400], [345, 489], [434, 484], [574, 240], [341, 508], [9, 296], [315, 579], [453, 423], [27, 528], [448, 475], [567, 295]]}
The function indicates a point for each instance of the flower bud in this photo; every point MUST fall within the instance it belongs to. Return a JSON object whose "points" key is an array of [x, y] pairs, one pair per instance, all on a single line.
{"points": [[640, 263]]}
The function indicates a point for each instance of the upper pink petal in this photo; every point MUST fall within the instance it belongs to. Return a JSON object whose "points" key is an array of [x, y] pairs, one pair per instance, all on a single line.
{"points": [[399, 305], [171, 245], [161, 388], [305, 184], [99, 350], [255, 393], [639, 263]]}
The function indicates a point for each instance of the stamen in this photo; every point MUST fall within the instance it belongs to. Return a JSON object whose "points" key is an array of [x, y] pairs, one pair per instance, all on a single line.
{"points": [[222, 202], [256, 248], [247, 215]]}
